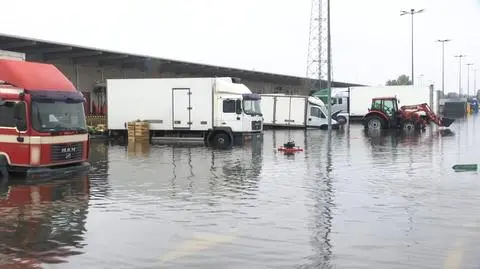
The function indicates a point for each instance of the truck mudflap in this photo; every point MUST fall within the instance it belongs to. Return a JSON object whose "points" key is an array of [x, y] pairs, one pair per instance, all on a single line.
{"points": [[57, 172]]}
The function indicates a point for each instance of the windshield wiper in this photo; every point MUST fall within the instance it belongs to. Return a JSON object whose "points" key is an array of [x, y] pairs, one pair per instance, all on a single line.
{"points": [[80, 130], [59, 127]]}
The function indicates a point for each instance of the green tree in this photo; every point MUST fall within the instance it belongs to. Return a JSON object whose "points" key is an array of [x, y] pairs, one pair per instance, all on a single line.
{"points": [[401, 80]]}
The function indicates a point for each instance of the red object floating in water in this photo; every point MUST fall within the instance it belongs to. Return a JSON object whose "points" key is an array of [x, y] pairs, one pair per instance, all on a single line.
{"points": [[290, 150]]}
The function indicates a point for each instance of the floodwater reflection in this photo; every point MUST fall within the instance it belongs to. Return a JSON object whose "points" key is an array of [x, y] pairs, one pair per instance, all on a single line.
{"points": [[349, 200], [43, 223]]}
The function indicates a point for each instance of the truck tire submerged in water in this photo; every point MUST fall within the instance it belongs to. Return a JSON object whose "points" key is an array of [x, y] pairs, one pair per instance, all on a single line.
{"points": [[3, 168], [341, 120], [221, 140]]}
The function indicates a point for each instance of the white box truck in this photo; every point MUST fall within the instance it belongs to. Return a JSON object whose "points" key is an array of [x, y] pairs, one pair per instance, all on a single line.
{"points": [[221, 111], [339, 101], [294, 111]]}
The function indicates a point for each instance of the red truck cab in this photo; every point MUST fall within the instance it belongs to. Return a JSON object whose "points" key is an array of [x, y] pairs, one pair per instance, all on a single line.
{"points": [[43, 128]]}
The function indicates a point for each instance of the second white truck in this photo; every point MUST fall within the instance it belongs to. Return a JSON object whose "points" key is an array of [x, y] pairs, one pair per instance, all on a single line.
{"points": [[294, 111], [220, 111]]}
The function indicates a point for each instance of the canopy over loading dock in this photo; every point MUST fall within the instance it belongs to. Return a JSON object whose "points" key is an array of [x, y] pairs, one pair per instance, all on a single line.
{"points": [[45, 51], [88, 68]]}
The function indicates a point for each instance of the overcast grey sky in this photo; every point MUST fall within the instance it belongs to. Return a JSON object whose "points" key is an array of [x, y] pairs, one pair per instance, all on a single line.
{"points": [[371, 42]]}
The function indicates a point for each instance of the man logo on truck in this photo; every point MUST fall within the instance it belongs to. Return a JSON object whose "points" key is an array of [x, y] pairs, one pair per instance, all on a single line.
{"points": [[68, 150]]}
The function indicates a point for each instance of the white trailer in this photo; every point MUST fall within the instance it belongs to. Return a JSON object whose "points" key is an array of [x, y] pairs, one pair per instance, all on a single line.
{"points": [[220, 111], [294, 111]]}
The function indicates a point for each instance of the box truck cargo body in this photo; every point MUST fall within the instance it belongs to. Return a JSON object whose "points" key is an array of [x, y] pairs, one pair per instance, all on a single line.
{"points": [[220, 111], [295, 111]]}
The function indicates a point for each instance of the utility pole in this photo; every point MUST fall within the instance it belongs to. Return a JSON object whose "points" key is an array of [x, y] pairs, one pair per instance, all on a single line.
{"points": [[468, 79], [460, 56], [475, 82], [443, 63], [329, 68], [412, 12]]}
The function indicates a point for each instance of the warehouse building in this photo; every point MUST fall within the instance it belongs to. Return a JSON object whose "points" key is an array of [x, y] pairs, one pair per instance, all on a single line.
{"points": [[88, 68]]}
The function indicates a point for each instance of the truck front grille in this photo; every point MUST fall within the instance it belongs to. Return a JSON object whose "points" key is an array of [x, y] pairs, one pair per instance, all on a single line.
{"points": [[66, 152], [256, 125]]}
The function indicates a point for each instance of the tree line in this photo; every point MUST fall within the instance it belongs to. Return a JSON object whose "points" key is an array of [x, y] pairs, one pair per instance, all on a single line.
{"points": [[401, 80]]}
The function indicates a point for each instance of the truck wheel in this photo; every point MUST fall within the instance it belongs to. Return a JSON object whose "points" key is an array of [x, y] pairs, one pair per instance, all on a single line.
{"points": [[374, 123], [221, 141], [341, 120], [3, 168]]}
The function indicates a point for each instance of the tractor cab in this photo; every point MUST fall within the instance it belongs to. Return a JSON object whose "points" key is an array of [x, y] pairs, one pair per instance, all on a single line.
{"points": [[387, 105]]}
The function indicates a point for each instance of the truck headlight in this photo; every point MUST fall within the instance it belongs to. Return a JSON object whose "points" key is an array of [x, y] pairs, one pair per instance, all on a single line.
{"points": [[35, 154]]}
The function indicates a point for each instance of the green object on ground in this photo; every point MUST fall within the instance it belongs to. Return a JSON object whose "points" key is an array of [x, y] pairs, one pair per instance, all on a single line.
{"points": [[465, 167]]}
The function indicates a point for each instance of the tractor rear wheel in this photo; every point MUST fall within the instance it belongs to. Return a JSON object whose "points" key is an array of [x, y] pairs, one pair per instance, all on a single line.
{"points": [[374, 123]]}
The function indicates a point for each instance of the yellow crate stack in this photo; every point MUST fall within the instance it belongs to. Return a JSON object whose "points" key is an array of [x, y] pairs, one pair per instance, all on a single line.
{"points": [[138, 131], [131, 130], [96, 120]]}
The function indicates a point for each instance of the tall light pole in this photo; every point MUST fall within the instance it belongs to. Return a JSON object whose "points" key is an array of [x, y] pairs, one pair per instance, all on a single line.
{"points": [[443, 63], [412, 12], [329, 68], [468, 79], [475, 82], [460, 56]]}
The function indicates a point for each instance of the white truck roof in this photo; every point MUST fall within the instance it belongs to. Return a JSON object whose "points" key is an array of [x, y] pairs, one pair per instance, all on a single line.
{"points": [[228, 87], [316, 101]]}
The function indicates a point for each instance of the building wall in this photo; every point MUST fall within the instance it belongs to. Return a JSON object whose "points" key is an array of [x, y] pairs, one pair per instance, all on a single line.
{"points": [[85, 77]]}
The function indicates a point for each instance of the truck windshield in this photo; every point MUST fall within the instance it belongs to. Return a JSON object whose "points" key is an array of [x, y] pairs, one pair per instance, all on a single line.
{"points": [[58, 116], [324, 110], [252, 107]]}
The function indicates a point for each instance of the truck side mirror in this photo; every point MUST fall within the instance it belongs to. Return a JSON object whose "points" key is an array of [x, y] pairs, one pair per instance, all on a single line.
{"points": [[2, 102], [238, 106], [19, 116]]}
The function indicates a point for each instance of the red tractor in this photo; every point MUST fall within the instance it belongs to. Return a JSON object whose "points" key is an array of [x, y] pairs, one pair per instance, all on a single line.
{"points": [[385, 114]]}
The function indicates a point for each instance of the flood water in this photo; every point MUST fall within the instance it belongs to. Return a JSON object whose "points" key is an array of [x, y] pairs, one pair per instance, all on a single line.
{"points": [[348, 201]]}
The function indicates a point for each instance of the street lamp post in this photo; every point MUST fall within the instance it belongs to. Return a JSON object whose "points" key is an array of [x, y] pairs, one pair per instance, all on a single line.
{"points": [[468, 79], [443, 63], [475, 82], [460, 56], [412, 12]]}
